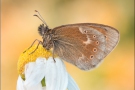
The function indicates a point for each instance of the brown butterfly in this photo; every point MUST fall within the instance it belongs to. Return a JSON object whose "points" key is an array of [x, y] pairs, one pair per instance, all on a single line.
{"points": [[84, 45]]}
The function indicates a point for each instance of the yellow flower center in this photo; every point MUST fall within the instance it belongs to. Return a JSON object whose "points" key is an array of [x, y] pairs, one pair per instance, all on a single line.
{"points": [[28, 56]]}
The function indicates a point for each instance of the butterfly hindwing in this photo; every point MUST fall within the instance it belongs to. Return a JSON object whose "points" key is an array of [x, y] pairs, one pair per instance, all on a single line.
{"points": [[84, 45]]}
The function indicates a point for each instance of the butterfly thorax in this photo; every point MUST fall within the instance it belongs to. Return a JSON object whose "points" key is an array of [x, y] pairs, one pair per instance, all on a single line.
{"points": [[47, 41]]}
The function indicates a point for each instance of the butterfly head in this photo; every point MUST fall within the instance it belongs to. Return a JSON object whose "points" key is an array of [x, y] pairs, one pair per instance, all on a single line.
{"points": [[42, 30]]}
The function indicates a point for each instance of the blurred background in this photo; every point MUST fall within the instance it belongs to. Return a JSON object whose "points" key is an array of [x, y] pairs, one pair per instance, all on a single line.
{"points": [[19, 30]]}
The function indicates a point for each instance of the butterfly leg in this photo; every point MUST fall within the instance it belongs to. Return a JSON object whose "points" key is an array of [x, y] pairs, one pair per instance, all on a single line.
{"points": [[39, 42], [53, 53], [32, 44], [53, 57]]}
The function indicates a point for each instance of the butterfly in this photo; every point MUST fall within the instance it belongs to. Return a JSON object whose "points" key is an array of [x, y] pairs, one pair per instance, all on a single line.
{"points": [[84, 45]]}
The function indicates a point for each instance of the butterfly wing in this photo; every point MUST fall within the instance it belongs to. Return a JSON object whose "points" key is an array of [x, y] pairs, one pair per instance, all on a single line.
{"points": [[84, 44]]}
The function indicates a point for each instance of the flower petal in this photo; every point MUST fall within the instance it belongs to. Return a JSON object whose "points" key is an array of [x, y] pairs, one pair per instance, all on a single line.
{"points": [[56, 75], [29, 68], [72, 84], [50, 75], [20, 84], [62, 75], [36, 74], [43, 88], [35, 87]]}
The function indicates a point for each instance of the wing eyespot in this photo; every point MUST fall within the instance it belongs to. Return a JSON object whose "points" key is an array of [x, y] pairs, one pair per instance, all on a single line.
{"points": [[97, 42], [94, 36], [91, 56], [94, 49], [105, 36], [85, 31]]}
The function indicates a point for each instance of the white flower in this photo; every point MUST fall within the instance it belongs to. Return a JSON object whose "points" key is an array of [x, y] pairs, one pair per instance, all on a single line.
{"points": [[55, 74]]}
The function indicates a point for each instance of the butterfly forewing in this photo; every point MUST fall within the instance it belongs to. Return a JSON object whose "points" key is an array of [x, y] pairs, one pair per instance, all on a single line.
{"points": [[85, 44]]}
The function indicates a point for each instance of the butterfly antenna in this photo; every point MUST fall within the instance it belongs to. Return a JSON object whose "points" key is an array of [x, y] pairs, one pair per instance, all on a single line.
{"points": [[40, 17]]}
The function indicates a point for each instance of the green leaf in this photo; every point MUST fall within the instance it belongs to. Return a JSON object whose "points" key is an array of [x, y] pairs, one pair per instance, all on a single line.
{"points": [[23, 76], [43, 82]]}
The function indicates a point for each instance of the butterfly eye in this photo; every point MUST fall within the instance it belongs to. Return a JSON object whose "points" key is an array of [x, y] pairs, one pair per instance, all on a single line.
{"points": [[94, 36], [94, 49], [91, 56]]}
